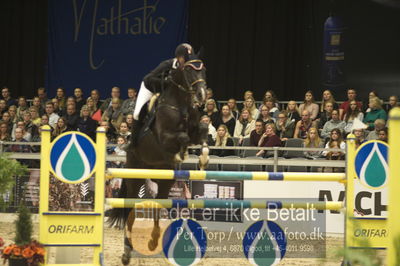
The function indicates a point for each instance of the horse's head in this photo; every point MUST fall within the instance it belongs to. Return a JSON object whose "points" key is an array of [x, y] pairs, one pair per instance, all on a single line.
{"points": [[194, 74]]}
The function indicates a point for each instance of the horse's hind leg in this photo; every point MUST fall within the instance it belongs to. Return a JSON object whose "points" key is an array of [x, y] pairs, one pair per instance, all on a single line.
{"points": [[126, 257], [155, 234]]}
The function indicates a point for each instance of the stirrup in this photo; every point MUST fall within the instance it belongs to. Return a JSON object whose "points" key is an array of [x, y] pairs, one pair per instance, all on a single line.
{"points": [[152, 101]]}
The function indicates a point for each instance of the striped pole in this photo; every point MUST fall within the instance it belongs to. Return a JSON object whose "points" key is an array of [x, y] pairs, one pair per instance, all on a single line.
{"points": [[223, 175], [220, 203]]}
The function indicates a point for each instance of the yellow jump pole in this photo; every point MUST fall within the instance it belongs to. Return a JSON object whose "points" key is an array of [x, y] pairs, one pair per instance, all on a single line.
{"points": [[394, 188], [350, 172]]}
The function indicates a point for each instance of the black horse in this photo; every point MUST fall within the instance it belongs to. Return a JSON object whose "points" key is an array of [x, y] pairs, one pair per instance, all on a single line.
{"points": [[163, 141]]}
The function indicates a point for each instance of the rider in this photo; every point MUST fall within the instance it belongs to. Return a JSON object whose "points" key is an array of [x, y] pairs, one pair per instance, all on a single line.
{"points": [[153, 82]]}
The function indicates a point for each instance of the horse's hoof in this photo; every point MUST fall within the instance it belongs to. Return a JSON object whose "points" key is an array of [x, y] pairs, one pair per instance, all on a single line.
{"points": [[125, 259], [152, 244]]}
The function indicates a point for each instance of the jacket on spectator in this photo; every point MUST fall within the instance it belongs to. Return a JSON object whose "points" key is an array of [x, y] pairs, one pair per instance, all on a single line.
{"points": [[88, 127], [373, 115], [331, 124], [128, 106], [239, 128], [287, 131], [230, 124], [255, 138], [72, 121], [312, 108], [223, 153]]}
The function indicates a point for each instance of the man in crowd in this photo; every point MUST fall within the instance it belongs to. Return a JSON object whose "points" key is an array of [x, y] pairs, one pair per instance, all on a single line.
{"points": [[53, 117], [351, 95], [115, 93], [284, 126], [6, 96], [379, 125], [72, 117], [79, 100], [128, 106], [42, 94], [335, 122], [256, 134]]}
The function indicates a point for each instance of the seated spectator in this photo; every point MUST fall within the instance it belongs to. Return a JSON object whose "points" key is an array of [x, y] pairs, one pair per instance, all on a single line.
{"points": [[393, 102], [7, 119], [6, 96], [372, 94], [327, 97], [244, 125], [22, 107], [60, 128], [293, 111], [53, 117], [44, 120], [71, 117], [87, 125], [226, 118], [302, 126], [30, 127], [212, 132], [309, 105], [124, 130], [210, 109], [223, 139], [326, 115], [265, 115], [128, 106], [12, 110], [284, 126], [39, 107], [115, 94], [351, 95], [26, 135], [3, 107], [247, 94], [57, 109], [335, 122], [360, 136], [383, 135], [4, 135], [119, 150], [250, 105], [313, 141], [129, 121], [256, 134], [351, 113], [35, 118], [95, 96], [113, 114], [61, 99], [268, 139], [79, 100], [378, 125], [335, 141], [273, 110], [270, 94], [42, 95], [70, 101], [21, 148], [376, 113], [233, 107], [209, 94], [90, 104]]}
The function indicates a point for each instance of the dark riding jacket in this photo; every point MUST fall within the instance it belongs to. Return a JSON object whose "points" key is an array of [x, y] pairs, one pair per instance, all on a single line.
{"points": [[154, 81]]}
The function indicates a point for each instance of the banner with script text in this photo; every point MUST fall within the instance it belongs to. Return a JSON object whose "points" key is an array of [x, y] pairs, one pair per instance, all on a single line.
{"points": [[98, 44]]}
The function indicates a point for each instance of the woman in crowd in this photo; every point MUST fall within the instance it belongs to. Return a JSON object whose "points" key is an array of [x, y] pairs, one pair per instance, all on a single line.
{"points": [[273, 110], [268, 139], [313, 141], [375, 104], [335, 142], [244, 125], [270, 94], [247, 94], [233, 107], [113, 114], [393, 102], [38, 105], [353, 112], [60, 128], [129, 121], [12, 110], [328, 97], [86, 124], [223, 139], [91, 106], [34, 116], [124, 130], [265, 115], [250, 104], [309, 105], [371, 94], [60, 96], [284, 126], [210, 109], [293, 111], [4, 135], [326, 115], [44, 120], [226, 118], [7, 119]]}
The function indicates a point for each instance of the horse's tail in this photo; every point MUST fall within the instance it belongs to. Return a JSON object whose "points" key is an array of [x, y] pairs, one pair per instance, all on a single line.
{"points": [[119, 216]]}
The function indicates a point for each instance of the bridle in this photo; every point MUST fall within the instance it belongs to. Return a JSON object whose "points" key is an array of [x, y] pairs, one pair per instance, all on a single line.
{"points": [[191, 64]]}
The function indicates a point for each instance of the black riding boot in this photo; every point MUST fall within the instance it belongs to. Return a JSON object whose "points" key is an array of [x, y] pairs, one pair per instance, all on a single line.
{"points": [[135, 132]]}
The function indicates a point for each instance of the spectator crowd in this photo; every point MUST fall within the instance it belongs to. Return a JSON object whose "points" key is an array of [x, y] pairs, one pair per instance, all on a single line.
{"points": [[266, 125]]}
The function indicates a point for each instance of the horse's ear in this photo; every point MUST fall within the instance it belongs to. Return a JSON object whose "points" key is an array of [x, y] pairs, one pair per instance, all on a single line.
{"points": [[200, 53]]}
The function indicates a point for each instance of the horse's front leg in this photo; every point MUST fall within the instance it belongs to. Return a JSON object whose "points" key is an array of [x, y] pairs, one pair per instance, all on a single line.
{"points": [[126, 257], [156, 232], [204, 158]]}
